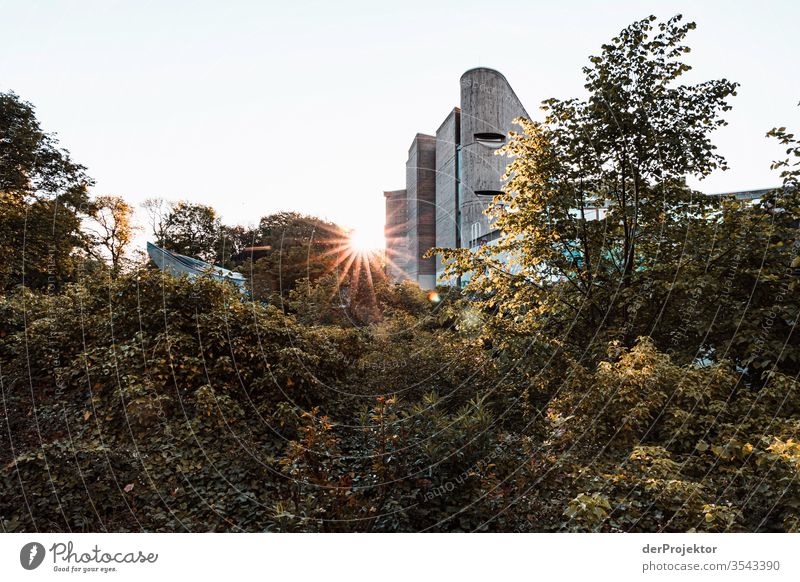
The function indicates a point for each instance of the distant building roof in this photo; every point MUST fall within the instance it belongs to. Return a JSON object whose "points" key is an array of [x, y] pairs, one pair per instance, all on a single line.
{"points": [[177, 264], [745, 194]]}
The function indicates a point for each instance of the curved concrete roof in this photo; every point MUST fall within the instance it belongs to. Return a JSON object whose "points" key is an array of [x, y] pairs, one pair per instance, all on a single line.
{"points": [[487, 69]]}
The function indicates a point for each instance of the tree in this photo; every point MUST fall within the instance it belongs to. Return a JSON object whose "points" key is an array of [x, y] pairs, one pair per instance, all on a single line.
{"points": [[754, 302], [289, 247], [157, 210], [191, 229], [231, 242], [110, 229], [42, 199], [184, 227], [625, 152]]}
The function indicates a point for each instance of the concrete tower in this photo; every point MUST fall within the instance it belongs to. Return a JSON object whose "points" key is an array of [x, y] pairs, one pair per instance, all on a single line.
{"points": [[451, 178], [488, 109]]}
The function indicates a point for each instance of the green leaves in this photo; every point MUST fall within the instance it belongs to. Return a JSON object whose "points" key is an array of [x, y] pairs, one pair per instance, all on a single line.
{"points": [[588, 510], [42, 202]]}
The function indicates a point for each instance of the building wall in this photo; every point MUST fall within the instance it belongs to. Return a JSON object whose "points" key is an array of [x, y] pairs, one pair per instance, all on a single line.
{"points": [[488, 105], [439, 177], [421, 195], [447, 140], [396, 232]]}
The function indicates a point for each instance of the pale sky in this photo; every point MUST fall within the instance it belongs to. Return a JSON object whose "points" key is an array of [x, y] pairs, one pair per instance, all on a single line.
{"points": [[255, 107]]}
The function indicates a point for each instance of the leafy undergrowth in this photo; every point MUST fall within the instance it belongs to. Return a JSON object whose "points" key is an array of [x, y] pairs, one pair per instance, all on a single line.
{"points": [[156, 404]]}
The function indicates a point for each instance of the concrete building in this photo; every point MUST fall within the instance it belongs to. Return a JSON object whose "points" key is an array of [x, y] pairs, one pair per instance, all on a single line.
{"points": [[453, 176], [450, 179]]}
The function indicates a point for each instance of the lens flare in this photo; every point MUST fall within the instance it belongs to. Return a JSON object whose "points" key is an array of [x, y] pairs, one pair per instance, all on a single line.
{"points": [[364, 242]]}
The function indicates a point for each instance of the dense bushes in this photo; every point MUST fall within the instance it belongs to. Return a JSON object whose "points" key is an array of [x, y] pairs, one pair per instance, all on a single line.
{"points": [[170, 403], [675, 448], [162, 404]]}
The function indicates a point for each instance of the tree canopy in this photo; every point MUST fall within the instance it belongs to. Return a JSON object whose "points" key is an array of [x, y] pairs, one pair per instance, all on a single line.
{"points": [[43, 197]]}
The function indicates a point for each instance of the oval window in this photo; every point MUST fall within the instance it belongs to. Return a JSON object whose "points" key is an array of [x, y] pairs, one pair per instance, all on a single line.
{"points": [[490, 140]]}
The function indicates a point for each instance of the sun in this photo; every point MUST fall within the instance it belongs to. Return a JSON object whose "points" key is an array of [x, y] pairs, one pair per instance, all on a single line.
{"points": [[364, 241]]}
